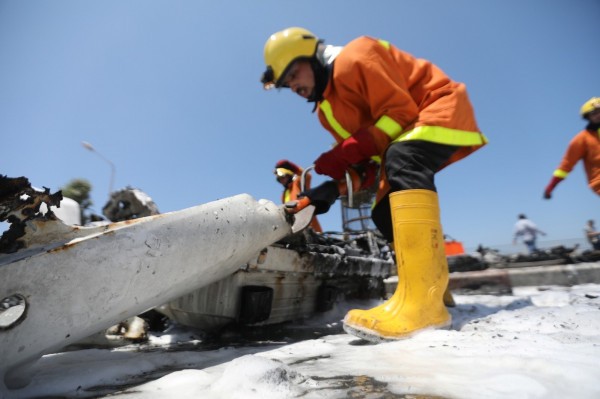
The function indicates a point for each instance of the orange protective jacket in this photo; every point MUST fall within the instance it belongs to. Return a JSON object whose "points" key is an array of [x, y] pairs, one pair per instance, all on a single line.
{"points": [[586, 146], [291, 193], [396, 97]]}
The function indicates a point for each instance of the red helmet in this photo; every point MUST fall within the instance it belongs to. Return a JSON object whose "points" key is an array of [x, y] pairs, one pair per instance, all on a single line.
{"points": [[285, 167]]}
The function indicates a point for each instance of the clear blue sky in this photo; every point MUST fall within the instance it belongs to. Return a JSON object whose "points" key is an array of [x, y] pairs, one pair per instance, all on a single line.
{"points": [[169, 91]]}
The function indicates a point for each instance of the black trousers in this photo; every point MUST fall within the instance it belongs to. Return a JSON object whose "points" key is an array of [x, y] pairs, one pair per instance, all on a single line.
{"points": [[409, 165]]}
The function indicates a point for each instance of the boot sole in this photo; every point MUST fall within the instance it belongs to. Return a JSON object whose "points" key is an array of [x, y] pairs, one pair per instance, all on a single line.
{"points": [[371, 336]]}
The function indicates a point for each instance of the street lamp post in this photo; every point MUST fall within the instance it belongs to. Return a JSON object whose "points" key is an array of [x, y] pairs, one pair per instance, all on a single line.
{"points": [[90, 147]]}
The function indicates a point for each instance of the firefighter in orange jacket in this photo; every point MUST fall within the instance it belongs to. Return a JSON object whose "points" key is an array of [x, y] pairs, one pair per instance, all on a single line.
{"points": [[584, 146], [382, 104], [288, 174]]}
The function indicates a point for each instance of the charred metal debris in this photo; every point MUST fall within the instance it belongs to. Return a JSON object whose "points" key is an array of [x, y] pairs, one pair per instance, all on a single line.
{"points": [[359, 254], [129, 203], [20, 203]]}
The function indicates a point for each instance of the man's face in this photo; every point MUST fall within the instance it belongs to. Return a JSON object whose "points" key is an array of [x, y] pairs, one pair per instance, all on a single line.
{"points": [[594, 116], [300, 78], [284, 180]]}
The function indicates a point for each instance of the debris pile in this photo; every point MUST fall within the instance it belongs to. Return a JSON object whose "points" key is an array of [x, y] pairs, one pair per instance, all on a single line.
{"points": [[20, 203]]}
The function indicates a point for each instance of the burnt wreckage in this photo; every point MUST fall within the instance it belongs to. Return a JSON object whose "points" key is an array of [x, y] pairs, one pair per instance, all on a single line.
{"points": [[234, 260]]}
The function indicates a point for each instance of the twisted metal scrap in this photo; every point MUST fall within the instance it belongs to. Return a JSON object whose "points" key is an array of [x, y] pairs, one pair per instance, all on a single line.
{"points": [[20, 203], [129, 203]]}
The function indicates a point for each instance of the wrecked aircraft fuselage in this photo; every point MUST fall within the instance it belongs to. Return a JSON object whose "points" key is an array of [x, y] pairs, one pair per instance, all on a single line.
{"points": [[60, 284], [230, 261]]}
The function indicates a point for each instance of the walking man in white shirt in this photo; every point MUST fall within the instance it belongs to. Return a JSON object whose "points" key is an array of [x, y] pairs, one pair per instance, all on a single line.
{"points": [[528, 231]]}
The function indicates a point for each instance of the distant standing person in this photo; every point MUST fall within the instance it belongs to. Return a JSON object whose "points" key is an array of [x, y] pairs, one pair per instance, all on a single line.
{"points": [[592, 235], [528, 231], [586, 146]]}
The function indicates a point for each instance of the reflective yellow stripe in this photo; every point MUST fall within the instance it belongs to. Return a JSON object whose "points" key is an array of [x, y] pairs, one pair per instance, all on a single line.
{"points": [[384, 43], [389, 127], [326, 108], [560, 173], [343, 133], [444, 135], [286, 196]]}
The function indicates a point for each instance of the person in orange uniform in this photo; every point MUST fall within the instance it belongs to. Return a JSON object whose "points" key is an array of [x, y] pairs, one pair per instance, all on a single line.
{"points": [[288, 174], [584, 146], [383, 104]]}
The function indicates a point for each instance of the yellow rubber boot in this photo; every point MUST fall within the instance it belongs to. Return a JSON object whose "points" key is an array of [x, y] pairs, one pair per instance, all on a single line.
{"points": [[449, 299], [418, 302]]}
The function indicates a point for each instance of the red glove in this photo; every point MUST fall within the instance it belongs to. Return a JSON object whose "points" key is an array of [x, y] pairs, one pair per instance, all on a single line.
{"points": [[353, 150], [331, 164], [358, 147], [553, 182], [369, 175]]}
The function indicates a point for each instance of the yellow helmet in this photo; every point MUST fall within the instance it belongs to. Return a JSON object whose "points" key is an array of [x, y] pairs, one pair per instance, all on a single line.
{"points": [[590, 105], [282, 49]]}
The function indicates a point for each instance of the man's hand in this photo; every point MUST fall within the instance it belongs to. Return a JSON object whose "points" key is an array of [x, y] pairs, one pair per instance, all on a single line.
{"points": [[369, 175], [322, 196], [356, 149], [295, 206], [330, 163], [553, 182]]}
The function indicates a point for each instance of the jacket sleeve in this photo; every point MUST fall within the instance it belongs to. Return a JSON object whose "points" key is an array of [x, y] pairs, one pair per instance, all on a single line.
{"points": [[575, 152], [372, 75]]}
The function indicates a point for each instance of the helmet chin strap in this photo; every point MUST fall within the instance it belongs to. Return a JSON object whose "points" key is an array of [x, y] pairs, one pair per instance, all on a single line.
{"points": [[322, 66], [321, 73]]}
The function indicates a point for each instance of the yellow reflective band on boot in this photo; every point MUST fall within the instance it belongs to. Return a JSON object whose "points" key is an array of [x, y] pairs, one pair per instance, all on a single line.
{"points": [[417, 304]]}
